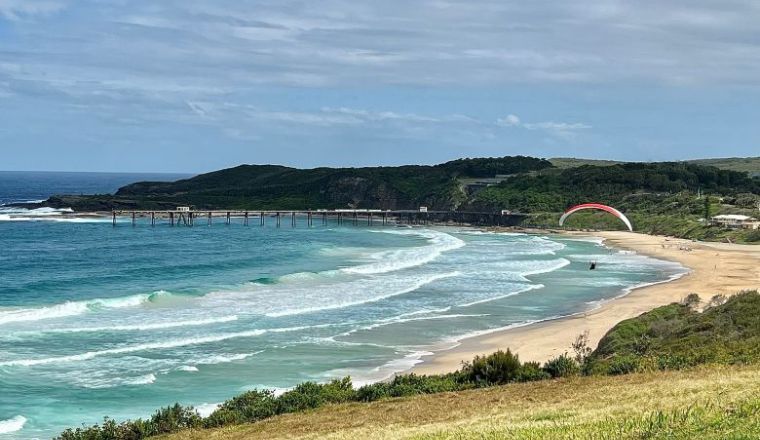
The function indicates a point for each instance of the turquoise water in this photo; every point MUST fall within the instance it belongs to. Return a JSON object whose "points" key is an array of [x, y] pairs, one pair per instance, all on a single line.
{"points": [[96, 320]]}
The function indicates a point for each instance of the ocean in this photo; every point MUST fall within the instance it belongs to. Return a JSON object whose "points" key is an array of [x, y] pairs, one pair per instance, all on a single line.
{"points": [[98, 320]]}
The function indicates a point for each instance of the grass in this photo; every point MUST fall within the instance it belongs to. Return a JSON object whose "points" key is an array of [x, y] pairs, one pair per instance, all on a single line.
{"points": [[706, 402]]}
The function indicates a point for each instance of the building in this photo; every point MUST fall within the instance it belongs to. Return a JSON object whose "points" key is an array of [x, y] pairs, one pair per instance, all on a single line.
{"points": [[735, 221]]}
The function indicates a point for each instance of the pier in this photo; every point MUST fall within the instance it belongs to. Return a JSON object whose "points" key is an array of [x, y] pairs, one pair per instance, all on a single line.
{"points": [[355, 217]]}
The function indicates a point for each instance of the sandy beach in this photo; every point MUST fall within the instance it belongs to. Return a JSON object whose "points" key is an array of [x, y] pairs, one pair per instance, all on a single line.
{"points": [[716, 268]]}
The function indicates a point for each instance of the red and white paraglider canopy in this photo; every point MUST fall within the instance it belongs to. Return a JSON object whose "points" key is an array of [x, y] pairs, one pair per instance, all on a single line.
{"points": [[609, 209]]}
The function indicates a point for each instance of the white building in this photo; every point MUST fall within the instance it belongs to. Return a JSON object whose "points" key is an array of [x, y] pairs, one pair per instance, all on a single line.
{"points": [[736, 221]]}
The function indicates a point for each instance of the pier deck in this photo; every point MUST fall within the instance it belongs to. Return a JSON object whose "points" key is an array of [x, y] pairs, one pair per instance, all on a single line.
{"points": [[339, 216]]}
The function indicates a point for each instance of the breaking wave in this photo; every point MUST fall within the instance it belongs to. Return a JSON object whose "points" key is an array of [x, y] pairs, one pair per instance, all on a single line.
{"points": [[12, 425], [73, 308], [398, 259]]}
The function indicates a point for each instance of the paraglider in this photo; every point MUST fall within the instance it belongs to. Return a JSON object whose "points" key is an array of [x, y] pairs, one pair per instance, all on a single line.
{"points": [[609, 209]]}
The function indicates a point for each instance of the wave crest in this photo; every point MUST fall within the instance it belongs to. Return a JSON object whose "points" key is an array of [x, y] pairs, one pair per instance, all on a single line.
{"points": [[12, 425], [73, 308]]}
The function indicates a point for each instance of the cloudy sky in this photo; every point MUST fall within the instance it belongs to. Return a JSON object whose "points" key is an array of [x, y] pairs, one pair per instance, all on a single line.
{"points": [[191, 85]]}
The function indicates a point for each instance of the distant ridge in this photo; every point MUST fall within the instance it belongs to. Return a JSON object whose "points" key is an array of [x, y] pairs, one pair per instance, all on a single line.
{"points": [[749, 165]]}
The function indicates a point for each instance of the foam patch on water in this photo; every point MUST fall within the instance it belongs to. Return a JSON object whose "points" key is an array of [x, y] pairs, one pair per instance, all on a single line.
{"points": [[356, 295], [132, 349], [12, 425], [404, 318], [503, 296], [73, 308], [130, 328], [64, 215], [113, 382], [399, 259], [224, 358]]}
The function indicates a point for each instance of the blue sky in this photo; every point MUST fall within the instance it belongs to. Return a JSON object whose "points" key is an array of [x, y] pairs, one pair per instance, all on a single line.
{"points": [[191, 86]]}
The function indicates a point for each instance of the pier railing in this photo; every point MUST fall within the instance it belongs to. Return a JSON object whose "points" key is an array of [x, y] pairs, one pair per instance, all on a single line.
{"points": [[340, 216]]}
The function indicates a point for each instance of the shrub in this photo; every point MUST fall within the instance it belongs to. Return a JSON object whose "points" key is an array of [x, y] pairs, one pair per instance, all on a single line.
{"points": [[310, 395], [562, 366], [411, 384], [624, 365], [173, 418], [497, 368], [531, 371], [247, 407]]}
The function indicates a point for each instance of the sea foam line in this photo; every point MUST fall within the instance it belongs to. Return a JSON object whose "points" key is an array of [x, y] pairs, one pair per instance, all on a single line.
{"points": [[399, 259], [73, 308], [401, 320], [137, 327], [143, 347], [506, 295], [419, 284]]}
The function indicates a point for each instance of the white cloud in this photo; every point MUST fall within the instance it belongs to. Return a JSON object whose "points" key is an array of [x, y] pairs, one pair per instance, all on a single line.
{"points": [[560, 129], [508, 121]]}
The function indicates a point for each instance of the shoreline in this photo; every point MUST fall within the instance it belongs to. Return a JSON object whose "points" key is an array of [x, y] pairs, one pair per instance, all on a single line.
{"points": [[714, 268]]}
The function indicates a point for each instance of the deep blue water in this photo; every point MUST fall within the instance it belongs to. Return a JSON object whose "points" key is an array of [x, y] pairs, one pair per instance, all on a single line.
{"points": [[97, 320], [25, 186]]}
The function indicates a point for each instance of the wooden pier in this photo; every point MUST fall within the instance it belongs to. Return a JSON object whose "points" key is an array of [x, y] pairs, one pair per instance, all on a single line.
{"points": [[341, 217]]}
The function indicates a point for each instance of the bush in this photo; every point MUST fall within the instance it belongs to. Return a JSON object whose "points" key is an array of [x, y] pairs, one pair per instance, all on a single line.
{"points": [[562, 366], [247, 407], [624, 365], [497, 368], [531, 371], [309, 395], [411, 384]]}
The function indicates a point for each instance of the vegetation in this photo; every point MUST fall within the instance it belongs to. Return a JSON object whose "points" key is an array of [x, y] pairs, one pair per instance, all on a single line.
{"points": [[749, 165], [279, 187], [670, 337], [678, 336], [709, 402]]}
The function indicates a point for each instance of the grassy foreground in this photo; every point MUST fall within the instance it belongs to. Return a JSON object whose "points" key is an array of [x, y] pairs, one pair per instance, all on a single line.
{"points": [[706, 402]]}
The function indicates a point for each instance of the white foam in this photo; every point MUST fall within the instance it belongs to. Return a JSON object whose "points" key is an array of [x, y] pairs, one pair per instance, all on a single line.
{"points": [[113, 382], [188, 368], [356, 297], [12, 425], [224, 359], [506, 295], [73, 308], [206, 409], [135, 327], [132, 349], [555, 265], [399, 259], [401, 319]]}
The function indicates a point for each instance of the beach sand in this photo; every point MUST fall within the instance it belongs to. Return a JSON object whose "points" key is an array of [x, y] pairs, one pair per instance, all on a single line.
{"points": [[716, 268]]}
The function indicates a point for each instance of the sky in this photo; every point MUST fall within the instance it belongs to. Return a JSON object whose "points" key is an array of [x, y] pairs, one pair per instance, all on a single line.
{"points": [[193, 86]]}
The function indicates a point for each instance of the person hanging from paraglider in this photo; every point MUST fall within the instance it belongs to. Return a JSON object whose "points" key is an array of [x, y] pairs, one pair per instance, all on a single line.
{"points": [[599, 206]]}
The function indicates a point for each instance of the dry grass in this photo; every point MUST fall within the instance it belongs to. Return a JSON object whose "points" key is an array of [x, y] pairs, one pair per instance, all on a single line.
{"points": [[574, 408]]}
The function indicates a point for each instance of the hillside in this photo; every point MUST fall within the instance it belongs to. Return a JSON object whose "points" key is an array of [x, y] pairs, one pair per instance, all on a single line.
{"points": [[712, 402], [279, 187], [750, 165]]}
